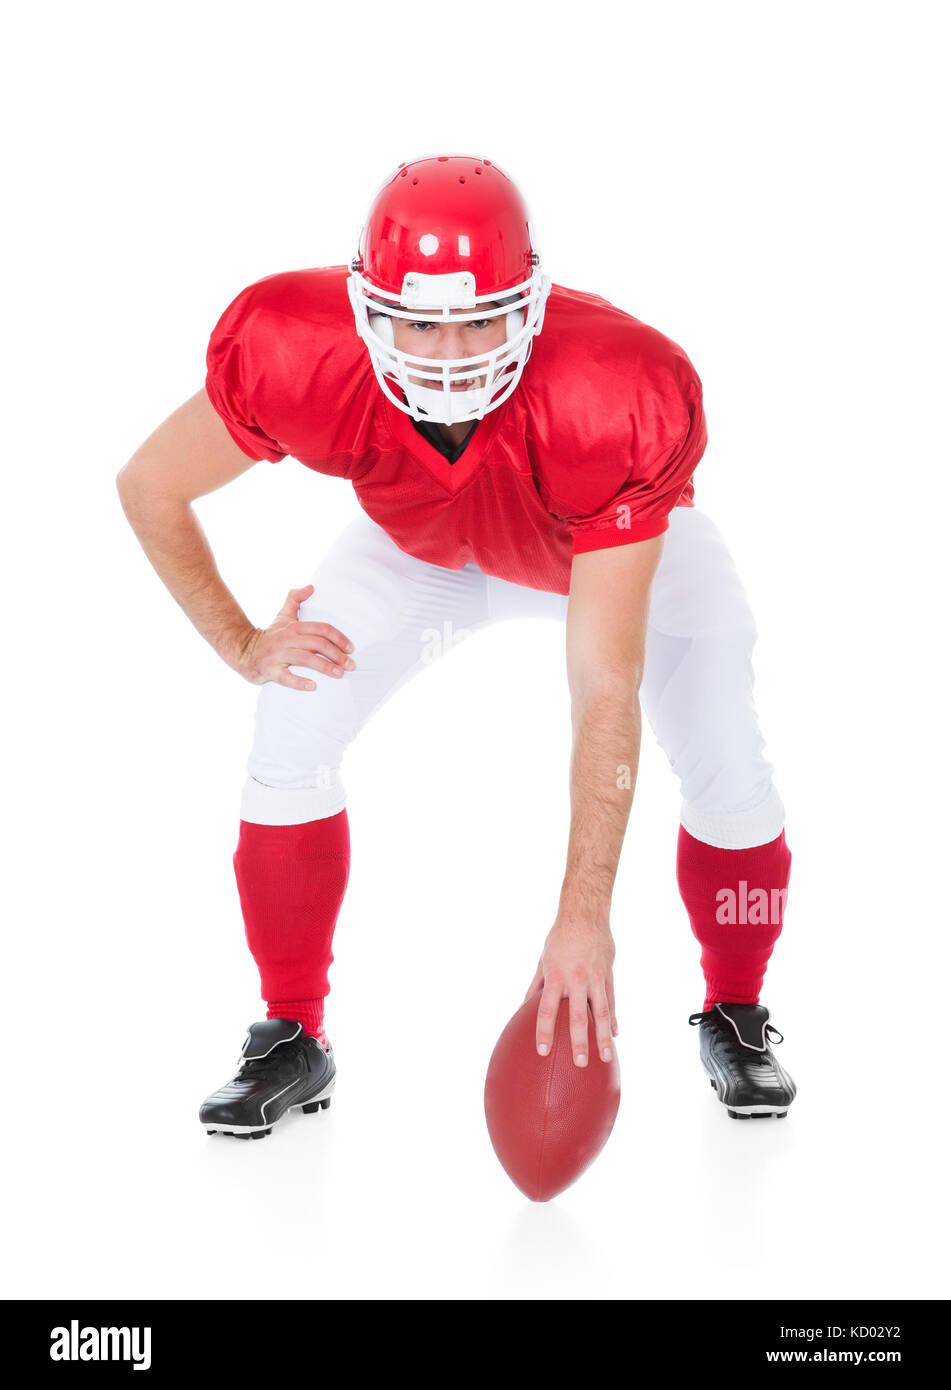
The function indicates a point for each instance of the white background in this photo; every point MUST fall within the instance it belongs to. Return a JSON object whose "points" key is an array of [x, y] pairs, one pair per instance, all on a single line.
{"points": [[765, 184]]}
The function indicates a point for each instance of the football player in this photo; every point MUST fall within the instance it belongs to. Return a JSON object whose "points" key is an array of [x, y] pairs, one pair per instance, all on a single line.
{"points": [[518, 449]]}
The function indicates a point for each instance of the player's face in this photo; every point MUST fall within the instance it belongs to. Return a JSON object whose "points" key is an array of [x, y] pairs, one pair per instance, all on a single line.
{"points": [[439, 339]]}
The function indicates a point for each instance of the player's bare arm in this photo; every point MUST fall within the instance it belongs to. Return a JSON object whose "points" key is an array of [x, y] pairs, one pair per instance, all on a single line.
{"points": [[190, 455], [605, 639]]}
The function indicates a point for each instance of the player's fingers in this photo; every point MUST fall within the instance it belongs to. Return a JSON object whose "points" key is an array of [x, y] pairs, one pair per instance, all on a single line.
{"points": [[602, 1022], [578, 1023], [282, 676], [327, 659], [609, 991], [335, 650], [333, 634], [294, 600], [546, 1016], [335, 646]]}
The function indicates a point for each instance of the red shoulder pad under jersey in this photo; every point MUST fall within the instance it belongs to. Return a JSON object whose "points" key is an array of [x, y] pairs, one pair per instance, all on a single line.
{"points": [[615, 409], [282, 358]]}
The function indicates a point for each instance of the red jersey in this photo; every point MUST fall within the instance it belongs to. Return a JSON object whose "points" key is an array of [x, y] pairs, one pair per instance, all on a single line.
{"points": [[595, 446]]}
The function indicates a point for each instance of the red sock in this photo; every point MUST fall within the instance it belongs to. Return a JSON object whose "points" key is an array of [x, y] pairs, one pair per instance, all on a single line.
{"points": [[291, 881], [735, 899], [308, 1012]]}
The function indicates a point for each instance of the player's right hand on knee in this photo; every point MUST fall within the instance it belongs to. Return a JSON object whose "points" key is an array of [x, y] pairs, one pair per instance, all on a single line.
{"points": [[268, 651]]}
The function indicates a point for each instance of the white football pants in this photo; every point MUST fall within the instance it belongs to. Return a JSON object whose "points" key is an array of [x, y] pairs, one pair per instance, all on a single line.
{"points": [[697, 688]]}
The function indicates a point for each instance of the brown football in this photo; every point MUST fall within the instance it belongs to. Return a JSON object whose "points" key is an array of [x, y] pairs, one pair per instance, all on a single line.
{"points": [[548, 1118]]}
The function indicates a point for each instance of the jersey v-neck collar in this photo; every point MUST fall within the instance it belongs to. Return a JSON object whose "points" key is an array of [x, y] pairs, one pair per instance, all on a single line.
{"points": [[452, 476], [452, 453]]}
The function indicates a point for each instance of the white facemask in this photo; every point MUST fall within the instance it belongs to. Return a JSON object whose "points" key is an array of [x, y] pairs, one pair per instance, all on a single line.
{"points": [[498, 370]]}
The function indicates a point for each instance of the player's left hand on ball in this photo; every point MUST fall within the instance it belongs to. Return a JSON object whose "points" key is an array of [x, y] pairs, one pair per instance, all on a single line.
{"points": [[577, 964]]}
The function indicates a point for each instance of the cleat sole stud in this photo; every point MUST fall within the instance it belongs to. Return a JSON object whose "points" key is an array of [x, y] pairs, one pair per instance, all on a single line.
{"points": [[313, 1106]]}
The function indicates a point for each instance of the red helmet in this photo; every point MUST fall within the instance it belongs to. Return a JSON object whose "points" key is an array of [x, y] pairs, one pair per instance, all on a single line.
{"points": [[448, 235]]}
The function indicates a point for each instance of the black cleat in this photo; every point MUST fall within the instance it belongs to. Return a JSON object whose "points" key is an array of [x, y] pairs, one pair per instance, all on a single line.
{"points": [[735, 1052], [281, 1068]]}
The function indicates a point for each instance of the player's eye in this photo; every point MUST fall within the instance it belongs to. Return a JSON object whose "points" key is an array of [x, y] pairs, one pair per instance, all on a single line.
{"points": [[423, 324]]}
